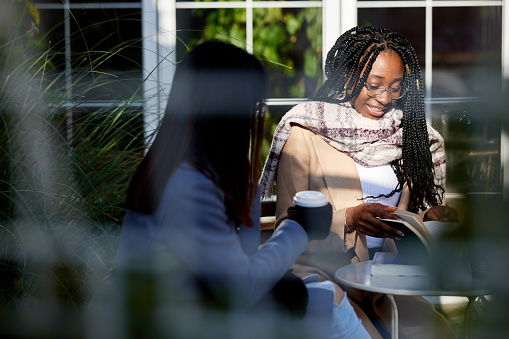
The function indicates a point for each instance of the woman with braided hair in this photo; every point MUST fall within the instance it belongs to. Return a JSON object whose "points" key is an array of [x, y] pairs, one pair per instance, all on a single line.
{"points": [[364, 142]]}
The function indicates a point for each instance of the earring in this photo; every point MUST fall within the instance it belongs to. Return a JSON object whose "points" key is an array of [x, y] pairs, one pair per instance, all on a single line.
{"points": [[344, 92]]}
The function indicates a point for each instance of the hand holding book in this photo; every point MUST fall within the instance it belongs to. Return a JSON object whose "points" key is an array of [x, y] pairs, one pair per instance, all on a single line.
{"points": [[378, 220], [441, 213], [415, 249], [367, 218]]}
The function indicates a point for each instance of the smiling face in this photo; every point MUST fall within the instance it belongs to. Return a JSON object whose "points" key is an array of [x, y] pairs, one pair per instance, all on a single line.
{"points": [[387, 70]]}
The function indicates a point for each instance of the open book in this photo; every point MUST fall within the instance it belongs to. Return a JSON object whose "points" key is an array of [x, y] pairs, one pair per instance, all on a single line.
{"points": [[414, 249]]}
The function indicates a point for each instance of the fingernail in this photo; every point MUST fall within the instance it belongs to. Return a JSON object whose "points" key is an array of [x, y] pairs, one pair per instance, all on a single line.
{"points": [[401, 234]]}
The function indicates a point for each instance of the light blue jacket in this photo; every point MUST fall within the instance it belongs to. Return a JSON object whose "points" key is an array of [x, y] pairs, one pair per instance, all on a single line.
{"points": [[191, 223]]}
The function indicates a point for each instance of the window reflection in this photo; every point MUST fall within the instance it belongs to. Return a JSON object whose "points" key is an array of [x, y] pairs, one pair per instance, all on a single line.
{"points": [[197, 25], [108, 41], [472, 140], [411, 23], [466, 51], [466, 57], [287, 40]]}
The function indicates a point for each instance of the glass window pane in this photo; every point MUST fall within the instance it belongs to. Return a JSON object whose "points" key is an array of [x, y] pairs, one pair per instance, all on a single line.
{"points": [[467, 70], [289, 42], [83, 1], [206, 0], [410, 23], [472, 144], [467, 51], [197, 25], [101, 1], [106, 53], [51, 30]]}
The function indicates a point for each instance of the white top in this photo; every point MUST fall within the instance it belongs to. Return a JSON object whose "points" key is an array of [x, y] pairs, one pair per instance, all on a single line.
{"points": [[375, 181]]}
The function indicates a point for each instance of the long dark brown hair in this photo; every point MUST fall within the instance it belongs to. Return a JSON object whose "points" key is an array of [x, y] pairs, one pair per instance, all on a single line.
{"points": [[347, 67], [212, 120]]}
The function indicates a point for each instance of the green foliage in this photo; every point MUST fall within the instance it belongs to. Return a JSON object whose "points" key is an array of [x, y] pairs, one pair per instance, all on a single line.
{"points": [[19, 33], [288, 41], [64, 170], [223, 24]]}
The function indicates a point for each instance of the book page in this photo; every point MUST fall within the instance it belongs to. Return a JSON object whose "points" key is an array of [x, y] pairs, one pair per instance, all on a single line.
{"points": [[416, 221], [414, 238], [392, 264], [438, 228]]}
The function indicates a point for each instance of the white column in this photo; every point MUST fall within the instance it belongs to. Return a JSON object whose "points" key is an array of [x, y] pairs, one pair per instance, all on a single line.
{"points": [[249, 26], [331, 28], [338, 17], [159, 44], [505, 42], [348, 15], [504, 140]]}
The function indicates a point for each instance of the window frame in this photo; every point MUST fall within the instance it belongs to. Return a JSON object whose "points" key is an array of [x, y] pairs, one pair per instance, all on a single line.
{"points": [[65, 6], [345, 10], [159, 41]]}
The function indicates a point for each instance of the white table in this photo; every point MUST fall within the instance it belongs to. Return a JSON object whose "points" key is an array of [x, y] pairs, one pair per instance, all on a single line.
{"points": [[358, 275]]}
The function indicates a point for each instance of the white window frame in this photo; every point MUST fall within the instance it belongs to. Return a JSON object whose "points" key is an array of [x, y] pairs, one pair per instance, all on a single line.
{"points": [[64, 7], [159, 27], [428, 65], [164, 40], [159, 43], [338, 16]]}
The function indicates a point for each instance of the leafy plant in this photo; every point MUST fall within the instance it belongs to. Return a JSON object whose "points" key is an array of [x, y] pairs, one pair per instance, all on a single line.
{"points": [[64, 170]]}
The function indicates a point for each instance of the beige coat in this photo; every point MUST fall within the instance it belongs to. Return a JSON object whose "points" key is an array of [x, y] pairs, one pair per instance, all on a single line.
{"points": [[309, 163]]}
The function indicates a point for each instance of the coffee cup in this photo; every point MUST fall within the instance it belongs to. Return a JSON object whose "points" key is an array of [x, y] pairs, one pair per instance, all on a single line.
{"points": [[310, 199], [315, 213]]}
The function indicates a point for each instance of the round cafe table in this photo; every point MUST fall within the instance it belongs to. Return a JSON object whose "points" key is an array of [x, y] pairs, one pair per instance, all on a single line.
{"points": [[358, 275]]}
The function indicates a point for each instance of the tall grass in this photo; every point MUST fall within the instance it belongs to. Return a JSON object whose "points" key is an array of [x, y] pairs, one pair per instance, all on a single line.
{"points": [[64, 171]]}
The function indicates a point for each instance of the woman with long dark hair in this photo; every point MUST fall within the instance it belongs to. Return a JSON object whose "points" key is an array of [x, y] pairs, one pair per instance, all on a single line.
{"points": [[364, 142], [195, 199]]}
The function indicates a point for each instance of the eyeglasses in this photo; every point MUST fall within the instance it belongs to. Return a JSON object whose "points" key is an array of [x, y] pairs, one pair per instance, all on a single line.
{"points": [[394, 92]]}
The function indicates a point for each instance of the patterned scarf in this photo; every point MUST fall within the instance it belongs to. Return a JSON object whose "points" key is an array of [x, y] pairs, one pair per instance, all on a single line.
{"points": [[367, 141]]}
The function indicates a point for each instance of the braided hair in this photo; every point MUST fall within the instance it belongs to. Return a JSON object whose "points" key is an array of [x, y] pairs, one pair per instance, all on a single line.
{"points": [[347, 68]]}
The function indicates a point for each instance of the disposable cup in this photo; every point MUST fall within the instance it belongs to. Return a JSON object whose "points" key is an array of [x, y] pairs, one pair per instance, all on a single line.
{"points": [[310, 199], [315, 213]]}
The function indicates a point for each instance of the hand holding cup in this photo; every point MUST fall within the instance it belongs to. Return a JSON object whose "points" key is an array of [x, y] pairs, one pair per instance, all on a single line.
{"points": [[313, 212]]}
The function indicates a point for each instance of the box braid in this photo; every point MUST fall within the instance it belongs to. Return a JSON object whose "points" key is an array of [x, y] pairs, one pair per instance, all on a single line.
{"points": [[347, 68]]}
